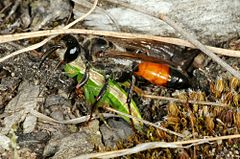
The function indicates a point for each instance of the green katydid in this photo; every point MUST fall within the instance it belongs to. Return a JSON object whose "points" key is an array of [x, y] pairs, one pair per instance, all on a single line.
{"points": [[115, 96]]}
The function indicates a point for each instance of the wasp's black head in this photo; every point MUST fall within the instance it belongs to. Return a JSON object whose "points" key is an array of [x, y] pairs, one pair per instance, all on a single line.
{"points": [[73, 48], [99, 45]]}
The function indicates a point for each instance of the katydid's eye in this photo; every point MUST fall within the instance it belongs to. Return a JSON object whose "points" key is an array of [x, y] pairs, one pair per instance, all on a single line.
{"points": [[73, 48]]}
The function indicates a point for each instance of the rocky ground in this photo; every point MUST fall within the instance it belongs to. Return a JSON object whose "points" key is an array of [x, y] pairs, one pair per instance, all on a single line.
{"points": [[25, 87]]}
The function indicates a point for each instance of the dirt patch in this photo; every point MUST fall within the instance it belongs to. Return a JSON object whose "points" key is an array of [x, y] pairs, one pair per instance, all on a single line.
{"points": [[25, 88]]}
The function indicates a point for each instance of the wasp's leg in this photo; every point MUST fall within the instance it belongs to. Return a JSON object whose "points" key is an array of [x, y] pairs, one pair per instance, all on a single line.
{"points": [[129, 98], [99, 96], [85, 77], [130, 92]]}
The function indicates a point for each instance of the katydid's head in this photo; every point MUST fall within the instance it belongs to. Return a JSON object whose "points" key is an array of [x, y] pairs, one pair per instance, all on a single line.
{"points": [[73, 48]]}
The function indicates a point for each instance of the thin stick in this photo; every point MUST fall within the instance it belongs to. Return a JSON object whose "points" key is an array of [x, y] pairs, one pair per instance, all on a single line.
{"points": [[71, 121], [176, 41], [35, 46], [154, 145], [184, 101], [145, 122]]}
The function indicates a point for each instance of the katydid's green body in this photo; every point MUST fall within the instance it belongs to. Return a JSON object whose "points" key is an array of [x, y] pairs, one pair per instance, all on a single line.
{"points": [[115, 96]]}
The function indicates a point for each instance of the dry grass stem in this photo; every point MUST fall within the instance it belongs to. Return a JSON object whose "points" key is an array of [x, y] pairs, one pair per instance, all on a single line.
{"points": [[53, 33], [184, 101], [72, 121], [153, 145]]}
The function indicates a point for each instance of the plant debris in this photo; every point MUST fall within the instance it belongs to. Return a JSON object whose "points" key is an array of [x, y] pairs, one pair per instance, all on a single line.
{"points": [[25, 88]]}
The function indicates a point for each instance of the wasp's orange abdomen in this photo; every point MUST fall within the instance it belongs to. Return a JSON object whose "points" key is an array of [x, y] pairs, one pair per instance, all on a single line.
{"points": [[162, 74], [153, 72]]}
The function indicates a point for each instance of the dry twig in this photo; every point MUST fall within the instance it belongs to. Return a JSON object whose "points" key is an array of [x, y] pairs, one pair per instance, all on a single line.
{"points": [[176, 41], [186, 101], [71, 121], [154, 145]]}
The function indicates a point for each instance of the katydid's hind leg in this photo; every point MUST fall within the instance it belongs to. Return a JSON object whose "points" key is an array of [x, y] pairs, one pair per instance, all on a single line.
{"points": [[99, 96]]}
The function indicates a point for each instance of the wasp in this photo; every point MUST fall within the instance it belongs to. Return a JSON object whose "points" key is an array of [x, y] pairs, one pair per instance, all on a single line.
{"points": [[159, 71], [156, 71]]}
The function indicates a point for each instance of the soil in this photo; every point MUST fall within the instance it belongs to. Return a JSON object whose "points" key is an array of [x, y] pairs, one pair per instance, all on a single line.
{"points": [[25, 87]]}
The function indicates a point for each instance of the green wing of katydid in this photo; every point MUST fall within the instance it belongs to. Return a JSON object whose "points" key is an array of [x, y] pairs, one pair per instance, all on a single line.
{"points": [[71, 70]]}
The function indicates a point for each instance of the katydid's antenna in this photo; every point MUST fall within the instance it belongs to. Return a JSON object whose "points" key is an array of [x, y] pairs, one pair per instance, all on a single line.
{"points": [[50, 51]]}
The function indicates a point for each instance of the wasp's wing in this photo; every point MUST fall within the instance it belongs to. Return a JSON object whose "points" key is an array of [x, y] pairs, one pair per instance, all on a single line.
{"points": [[153, 51]]}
